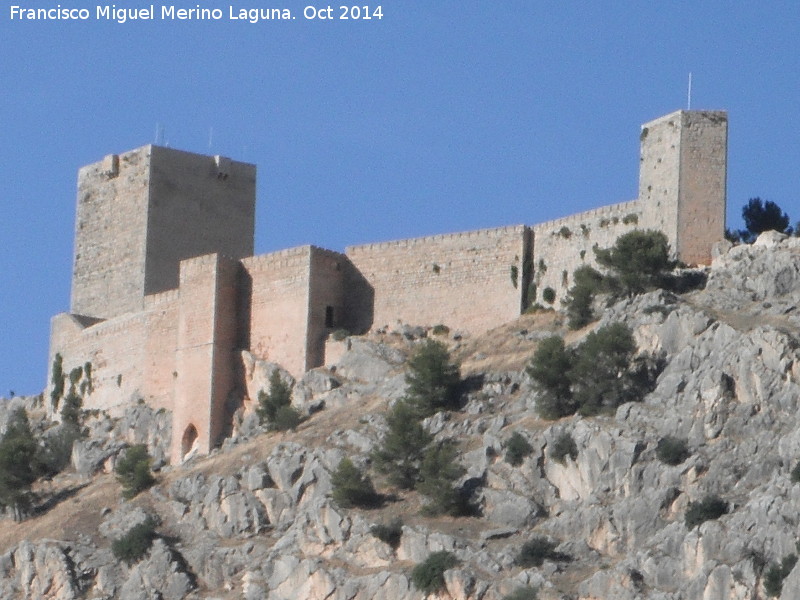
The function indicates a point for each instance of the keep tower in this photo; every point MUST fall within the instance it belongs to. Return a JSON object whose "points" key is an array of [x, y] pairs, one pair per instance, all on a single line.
{"points": [[682, 180], [140, 213]]}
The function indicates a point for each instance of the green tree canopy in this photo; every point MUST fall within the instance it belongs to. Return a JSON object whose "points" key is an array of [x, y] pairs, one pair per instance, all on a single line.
{"points": [[638, 261], [18, 451], [432, 379], [760, 216], [133, 471], [403, 446], [351, 487]]}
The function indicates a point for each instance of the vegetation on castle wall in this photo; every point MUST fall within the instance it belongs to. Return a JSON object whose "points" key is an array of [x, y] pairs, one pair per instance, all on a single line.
{"points": [[514, 276], [549, 295], [57, 380], [440, 329]]}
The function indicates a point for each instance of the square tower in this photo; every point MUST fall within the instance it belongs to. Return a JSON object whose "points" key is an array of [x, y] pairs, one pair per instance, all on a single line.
{"points": [[140, 213], [682, 180]]}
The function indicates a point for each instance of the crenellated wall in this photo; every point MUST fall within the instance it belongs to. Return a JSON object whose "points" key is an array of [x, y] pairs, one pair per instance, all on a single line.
{"points": [[563, 245], [462, 280], [163, 300]]}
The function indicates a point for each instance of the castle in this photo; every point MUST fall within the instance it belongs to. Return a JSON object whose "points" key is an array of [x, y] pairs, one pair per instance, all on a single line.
{"points": [[166, 293]]}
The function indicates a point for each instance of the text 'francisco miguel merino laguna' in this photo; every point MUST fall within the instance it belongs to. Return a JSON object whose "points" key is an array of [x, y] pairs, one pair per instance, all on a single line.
{"points": [[111, 12]]}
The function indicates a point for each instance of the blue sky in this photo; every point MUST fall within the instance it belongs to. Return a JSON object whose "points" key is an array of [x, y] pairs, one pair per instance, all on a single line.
{"points": [[441, 116]]}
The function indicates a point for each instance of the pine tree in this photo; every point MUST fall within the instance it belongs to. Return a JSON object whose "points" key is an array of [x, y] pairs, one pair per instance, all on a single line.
{"points": [[17, 463], [432, 380], [403, 447]]}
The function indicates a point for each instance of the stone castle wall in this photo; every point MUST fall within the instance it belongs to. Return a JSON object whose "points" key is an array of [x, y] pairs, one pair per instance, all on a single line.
{"points": [[140, 213], [277, 311], [205, 352], [198, 205], [701, 210], [166, 295], [110, 225], [462, 280], [562, 245]]}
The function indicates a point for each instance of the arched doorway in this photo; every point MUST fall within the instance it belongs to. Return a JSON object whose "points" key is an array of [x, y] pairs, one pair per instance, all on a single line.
{"points": [[188, 441]]}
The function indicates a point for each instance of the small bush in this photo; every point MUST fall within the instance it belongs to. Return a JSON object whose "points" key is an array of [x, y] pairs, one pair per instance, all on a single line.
{"points": [[534, 552], [517, 448], [279, 395], [523, 593], [428, 576], [132, 546], [796, 473], [565, 232], [440, 330], [707, 509], [564, 446], [133, 471], [352, 488], [514, 276], [672, 451], [630, 219], [549, 295], [390, 533], [286, 418], [339, 334], [773, 579]]}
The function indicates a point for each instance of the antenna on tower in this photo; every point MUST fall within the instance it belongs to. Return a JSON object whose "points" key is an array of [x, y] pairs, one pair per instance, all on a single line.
{"points": [[159, 135], [210, 137], [689, 95]]}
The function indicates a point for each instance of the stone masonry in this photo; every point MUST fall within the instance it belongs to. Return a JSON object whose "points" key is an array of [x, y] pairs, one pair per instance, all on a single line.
{"points": [[166, 293]]}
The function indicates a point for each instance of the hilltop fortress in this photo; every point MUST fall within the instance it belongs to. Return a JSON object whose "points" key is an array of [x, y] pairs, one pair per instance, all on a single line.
{"points": [[166, 293]]}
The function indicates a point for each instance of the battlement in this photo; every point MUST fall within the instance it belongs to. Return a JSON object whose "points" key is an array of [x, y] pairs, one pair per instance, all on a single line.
{"points": [[435, 239], [619, 210]]}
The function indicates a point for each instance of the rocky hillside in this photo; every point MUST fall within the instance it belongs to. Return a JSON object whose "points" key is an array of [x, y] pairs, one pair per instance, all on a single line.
{"points": [[256, 518]]}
